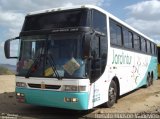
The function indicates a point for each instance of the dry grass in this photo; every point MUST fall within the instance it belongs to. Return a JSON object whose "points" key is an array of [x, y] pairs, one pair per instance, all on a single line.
{"points": [[7, 83]]}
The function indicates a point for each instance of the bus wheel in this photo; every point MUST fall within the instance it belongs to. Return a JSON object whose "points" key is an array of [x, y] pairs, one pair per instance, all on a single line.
{"points": [[151, 83], [148, 83], [112, 94]]}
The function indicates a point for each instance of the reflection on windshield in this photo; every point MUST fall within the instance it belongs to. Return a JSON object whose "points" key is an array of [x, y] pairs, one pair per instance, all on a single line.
{"points": [[64, 52]]}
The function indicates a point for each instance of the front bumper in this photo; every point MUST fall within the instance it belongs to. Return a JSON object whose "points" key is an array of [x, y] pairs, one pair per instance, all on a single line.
{"points": [[54, 98]]}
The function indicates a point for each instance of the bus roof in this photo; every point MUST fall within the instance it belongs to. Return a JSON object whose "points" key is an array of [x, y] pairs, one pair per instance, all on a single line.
{"points": [[91, 7]]}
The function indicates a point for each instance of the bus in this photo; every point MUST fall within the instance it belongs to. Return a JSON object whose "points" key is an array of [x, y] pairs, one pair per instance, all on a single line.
{"points": [[80, 57]]}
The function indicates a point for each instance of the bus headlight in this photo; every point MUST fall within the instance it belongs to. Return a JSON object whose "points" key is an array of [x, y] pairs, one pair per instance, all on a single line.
{"points": [[21, 84], [74, 88]]}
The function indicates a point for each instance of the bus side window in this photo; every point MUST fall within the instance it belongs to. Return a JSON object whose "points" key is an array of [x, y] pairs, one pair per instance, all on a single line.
{"points": [[148, 47], [143, 45], [136, 42], [152, 46], [155, 50], [115, 33], [127, 38], [98, 45], [99, 21], [95, 62], [95, 50]]}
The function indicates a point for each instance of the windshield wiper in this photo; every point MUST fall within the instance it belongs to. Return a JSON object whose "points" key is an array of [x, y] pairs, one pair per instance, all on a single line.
{"points": [[52, 63], [46, 57], [36, 61], [50, 59]]}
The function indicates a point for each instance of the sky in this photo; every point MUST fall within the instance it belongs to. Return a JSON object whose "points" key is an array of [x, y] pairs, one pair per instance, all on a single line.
{"points": [[143, 15]]}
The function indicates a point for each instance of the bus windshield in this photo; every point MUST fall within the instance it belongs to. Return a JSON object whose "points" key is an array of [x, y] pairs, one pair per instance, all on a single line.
{"points": [[59, 19], [60, 53]]}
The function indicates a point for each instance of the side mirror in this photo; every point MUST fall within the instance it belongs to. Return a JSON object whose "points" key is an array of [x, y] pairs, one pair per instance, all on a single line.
{"points": [[86, 46], [8, 47]]}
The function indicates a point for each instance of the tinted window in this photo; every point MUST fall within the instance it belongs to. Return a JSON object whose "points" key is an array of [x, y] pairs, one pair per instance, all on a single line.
{"points": [[148, 47], [69, 18], [155, 49], [143, 45], [115, 33], [95, 48], [103, 53], [127, 38], [103, 45], [152, 47], [99, 21], [136, 42]]}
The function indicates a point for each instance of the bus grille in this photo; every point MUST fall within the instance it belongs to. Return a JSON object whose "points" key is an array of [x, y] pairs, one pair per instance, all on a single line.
{"points": [[46, 86]]}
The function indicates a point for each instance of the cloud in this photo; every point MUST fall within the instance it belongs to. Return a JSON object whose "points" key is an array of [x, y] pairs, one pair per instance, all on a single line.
{"points": [[2, 44], [31, 5], [151, 27], [145, 16], [12, 14], [148, 10], [11, 22]]}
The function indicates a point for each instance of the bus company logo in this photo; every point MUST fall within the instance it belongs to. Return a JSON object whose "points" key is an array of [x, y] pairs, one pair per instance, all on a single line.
{"points": [[121, 58], [42, 85]]}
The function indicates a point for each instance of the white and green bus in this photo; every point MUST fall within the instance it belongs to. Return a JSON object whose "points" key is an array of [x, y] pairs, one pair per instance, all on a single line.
{"points": [[80, 57]]}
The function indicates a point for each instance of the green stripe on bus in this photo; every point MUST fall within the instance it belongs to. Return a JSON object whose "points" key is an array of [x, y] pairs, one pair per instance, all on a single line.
{"points": [[55, 99], [152, 65]]}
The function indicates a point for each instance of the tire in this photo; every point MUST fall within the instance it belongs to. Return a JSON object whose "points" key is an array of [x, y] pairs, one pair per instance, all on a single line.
{"points": [[112, 94], [151, 80], [148, 82]]}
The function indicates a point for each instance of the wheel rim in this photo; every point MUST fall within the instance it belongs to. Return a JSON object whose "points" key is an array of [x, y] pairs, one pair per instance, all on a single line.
{"points": [[112, 94]]}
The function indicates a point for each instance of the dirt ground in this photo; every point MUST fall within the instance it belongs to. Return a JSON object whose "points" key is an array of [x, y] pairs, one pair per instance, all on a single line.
{"points": [[140, 103]]}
